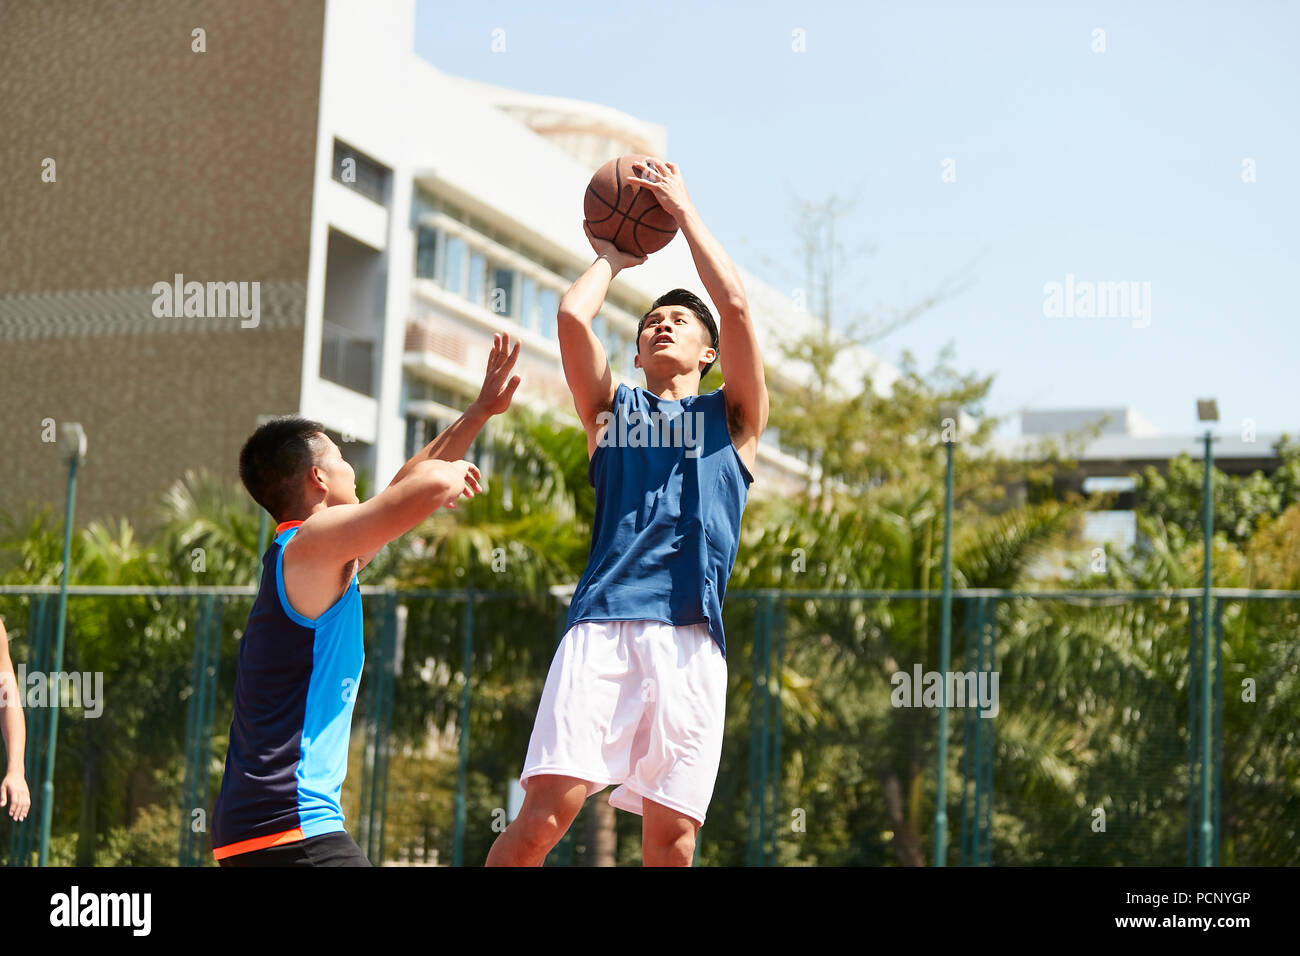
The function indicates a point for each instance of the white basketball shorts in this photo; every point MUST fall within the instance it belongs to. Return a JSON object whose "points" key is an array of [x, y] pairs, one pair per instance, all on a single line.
{"points": [[639, 704]]}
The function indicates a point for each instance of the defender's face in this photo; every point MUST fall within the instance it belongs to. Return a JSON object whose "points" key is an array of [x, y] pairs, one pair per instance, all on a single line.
{"points": [[339, 478], [673, 337]]}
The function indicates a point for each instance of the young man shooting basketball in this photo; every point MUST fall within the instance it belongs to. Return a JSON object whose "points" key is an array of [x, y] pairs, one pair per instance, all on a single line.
{"points": [[636, 694], [301, 655]]}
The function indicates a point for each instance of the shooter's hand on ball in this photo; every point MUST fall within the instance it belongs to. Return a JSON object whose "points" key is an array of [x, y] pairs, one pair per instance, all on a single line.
{"points": [[663, 179], [498, 387], [605, 249]]}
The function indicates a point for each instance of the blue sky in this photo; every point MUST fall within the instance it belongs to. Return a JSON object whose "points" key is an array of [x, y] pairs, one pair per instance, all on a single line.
{"points": [[1124, 165]]}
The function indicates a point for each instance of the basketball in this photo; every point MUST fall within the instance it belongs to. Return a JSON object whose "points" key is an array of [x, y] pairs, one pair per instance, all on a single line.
{"points": [[624, 213]]}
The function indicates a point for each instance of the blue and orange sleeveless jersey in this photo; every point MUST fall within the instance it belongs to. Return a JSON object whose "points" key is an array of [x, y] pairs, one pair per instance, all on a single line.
{"points": [[295, 686]]}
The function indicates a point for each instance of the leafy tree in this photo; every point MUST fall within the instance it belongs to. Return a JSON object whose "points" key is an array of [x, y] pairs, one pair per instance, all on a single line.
{"points": [[1241, 502]]}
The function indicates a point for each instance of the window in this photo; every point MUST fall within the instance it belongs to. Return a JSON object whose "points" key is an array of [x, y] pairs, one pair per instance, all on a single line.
{"points": [[347, 357], [419, 391], [501, 294], [528, 303], [453, 268], [477, 277], [416, 430], [426, 249], [360, 173], [548, 305]]}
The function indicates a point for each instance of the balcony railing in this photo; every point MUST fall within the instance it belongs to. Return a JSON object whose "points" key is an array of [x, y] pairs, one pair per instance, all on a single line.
{"points": [[347, 358]]}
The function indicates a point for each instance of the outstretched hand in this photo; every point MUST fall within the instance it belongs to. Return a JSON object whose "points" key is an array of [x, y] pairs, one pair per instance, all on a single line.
{"points": [[498, 387], [464, 479]]}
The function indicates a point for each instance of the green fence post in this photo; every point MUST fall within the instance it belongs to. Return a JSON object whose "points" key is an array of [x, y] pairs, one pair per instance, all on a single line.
{"points": [[765, 762], [979, 810], [183, 841], [397, 642], [757, 737], [462, 766], [990, 742], [563, 851], [778, 822], [52, 741], [194, 712], [1218, 731], [1193, 784], [1207, 623], [969, 715], [945, 643], [22, 834], [374, 731], [379, 713]]}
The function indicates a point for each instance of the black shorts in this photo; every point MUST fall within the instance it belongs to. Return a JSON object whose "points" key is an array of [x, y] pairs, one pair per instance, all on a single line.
{"points": [[328, 849]]}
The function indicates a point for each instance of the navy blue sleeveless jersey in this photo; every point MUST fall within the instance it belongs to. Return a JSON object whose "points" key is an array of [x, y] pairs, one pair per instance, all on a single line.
{"points": [[670, 492], [295, 686]]}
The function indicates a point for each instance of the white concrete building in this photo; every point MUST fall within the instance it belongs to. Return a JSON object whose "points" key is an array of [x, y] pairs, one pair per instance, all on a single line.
{"points": [[443, 237]]}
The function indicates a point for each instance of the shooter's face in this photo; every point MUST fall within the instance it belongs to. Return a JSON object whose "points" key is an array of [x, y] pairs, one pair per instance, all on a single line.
{"points": [[673, 339], [335, 474]]}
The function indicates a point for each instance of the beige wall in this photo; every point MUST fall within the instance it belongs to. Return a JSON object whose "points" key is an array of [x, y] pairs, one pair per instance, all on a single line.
{"points": [[168, 161], [152, 407]]}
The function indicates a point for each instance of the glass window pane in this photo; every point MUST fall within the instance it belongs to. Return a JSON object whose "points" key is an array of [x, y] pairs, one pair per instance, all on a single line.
{"points": [[528, 302], [453, 279], [426, 248], [501, 294], [548, 304], [477, 277]]}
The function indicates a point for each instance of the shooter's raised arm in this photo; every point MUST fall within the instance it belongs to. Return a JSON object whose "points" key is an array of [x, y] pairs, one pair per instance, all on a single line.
{"points": [[586, 366], [742, 364]]}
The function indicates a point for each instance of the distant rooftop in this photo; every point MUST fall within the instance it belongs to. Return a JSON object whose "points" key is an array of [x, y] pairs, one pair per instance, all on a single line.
{"points": [[1114, 421], [589, 132], [1128, 442]]}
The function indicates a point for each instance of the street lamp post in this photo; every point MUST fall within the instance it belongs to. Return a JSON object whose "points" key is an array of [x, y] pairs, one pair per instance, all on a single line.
{"points": [[72, 444], [948, 433], [1207, 410]]}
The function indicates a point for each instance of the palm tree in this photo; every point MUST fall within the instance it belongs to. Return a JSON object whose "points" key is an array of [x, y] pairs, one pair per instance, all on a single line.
{"points": [[857, 764]]}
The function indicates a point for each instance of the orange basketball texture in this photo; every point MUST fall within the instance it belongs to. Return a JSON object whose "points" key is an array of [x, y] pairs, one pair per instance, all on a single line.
{"points": [[625, 213]]}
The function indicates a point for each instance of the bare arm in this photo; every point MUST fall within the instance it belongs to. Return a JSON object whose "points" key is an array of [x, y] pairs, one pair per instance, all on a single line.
{"points": [[494, 398], [333, 536], [586, 366], [742, 364], [13, 788], [455, 440]]}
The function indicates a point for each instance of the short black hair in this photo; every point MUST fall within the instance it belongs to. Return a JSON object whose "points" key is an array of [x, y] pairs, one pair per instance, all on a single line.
{"points": [[274, 460], [696, 305]]}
